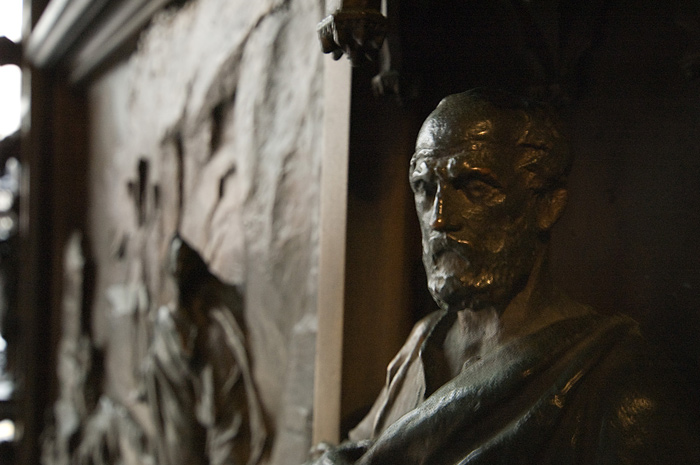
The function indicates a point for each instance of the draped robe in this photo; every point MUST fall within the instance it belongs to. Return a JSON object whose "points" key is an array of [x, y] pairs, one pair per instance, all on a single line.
{"points": [[585, 390]]}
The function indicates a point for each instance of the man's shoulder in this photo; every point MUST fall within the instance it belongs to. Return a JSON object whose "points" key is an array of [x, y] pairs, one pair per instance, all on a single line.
{"points": [[643, 406], [633, 367]]}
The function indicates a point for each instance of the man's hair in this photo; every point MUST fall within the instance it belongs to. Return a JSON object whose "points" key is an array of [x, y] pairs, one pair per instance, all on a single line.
{"points": [[545, 150]]}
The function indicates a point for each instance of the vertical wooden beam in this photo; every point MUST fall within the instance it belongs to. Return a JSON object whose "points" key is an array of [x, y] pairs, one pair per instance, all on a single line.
{"points": [[34, 284], [331, 280]]}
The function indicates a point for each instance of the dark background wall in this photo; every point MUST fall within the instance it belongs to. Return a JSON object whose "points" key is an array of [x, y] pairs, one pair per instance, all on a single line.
{"points": [[623, 74]]}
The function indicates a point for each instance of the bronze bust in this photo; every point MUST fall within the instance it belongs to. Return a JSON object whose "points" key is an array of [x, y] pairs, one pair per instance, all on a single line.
{"points": [[510, 369]]}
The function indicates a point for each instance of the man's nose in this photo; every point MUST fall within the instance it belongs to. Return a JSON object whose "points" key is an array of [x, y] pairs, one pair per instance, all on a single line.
{"points": [[442, 215]]}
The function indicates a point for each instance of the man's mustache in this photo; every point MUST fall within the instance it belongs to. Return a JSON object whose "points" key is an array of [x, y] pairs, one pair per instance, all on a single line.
{"points": [[440, 244]]}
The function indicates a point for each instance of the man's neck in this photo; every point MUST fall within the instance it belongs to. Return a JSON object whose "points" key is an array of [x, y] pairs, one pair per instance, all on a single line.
{"points": [[537, 305]]}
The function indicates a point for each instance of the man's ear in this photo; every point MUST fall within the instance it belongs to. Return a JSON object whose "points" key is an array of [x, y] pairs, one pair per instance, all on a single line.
{"points": [[550, 206]]}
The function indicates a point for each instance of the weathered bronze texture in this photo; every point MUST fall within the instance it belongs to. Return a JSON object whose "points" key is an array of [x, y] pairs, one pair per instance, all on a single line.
{"points": [[356, 29], [510, 369]]}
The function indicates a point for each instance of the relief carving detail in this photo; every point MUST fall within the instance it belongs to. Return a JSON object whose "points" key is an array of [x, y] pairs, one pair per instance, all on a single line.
{"points": [[197, 376]]}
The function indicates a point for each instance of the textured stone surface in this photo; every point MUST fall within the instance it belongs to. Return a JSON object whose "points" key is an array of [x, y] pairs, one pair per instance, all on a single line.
{"points": [[212, 129]]}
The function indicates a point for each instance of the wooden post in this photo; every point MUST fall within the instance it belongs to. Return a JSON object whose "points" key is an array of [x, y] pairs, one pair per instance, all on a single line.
{"points": [[331, 281]]}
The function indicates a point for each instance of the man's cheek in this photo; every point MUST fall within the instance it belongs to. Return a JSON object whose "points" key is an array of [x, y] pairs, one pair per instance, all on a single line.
{"points": [[495, 241]]}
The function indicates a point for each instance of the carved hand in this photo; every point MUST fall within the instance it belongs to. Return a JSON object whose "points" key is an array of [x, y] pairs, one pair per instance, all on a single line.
{"points": [[357, 32]]}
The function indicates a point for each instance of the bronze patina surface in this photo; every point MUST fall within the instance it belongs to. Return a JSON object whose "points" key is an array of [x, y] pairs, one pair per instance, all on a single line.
{"points": [[510, 369]]}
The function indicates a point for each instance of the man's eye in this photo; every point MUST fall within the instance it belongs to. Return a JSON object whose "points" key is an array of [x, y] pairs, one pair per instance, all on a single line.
{"points": [[420, 186], [479, 191]]}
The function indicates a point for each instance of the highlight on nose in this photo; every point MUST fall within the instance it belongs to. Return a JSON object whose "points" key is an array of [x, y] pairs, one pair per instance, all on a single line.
{"points": [[440, 219], [438, 222]]}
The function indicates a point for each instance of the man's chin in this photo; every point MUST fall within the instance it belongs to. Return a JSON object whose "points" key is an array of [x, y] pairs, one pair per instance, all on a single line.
{"points": [[453, 295]]}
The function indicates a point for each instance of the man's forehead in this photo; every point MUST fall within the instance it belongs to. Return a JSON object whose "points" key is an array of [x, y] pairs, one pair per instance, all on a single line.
{"points": [[478, 156], [448, 131], [446, 134]]}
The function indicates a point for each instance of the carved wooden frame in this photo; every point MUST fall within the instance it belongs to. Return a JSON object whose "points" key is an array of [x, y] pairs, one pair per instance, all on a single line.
{"points": [[81, 35]]}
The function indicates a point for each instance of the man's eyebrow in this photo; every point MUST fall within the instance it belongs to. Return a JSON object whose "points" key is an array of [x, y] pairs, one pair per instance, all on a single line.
{"points": [[478, 172], [432, 154], [454, 150], [481, 171], [425, 153]]}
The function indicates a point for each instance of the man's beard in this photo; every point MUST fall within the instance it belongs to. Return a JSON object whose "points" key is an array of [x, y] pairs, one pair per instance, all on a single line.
{"points": [[461, 277]]}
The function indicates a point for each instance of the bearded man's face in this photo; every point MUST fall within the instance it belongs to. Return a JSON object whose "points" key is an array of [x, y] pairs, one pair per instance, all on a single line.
{"points": [[477, 216]]}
